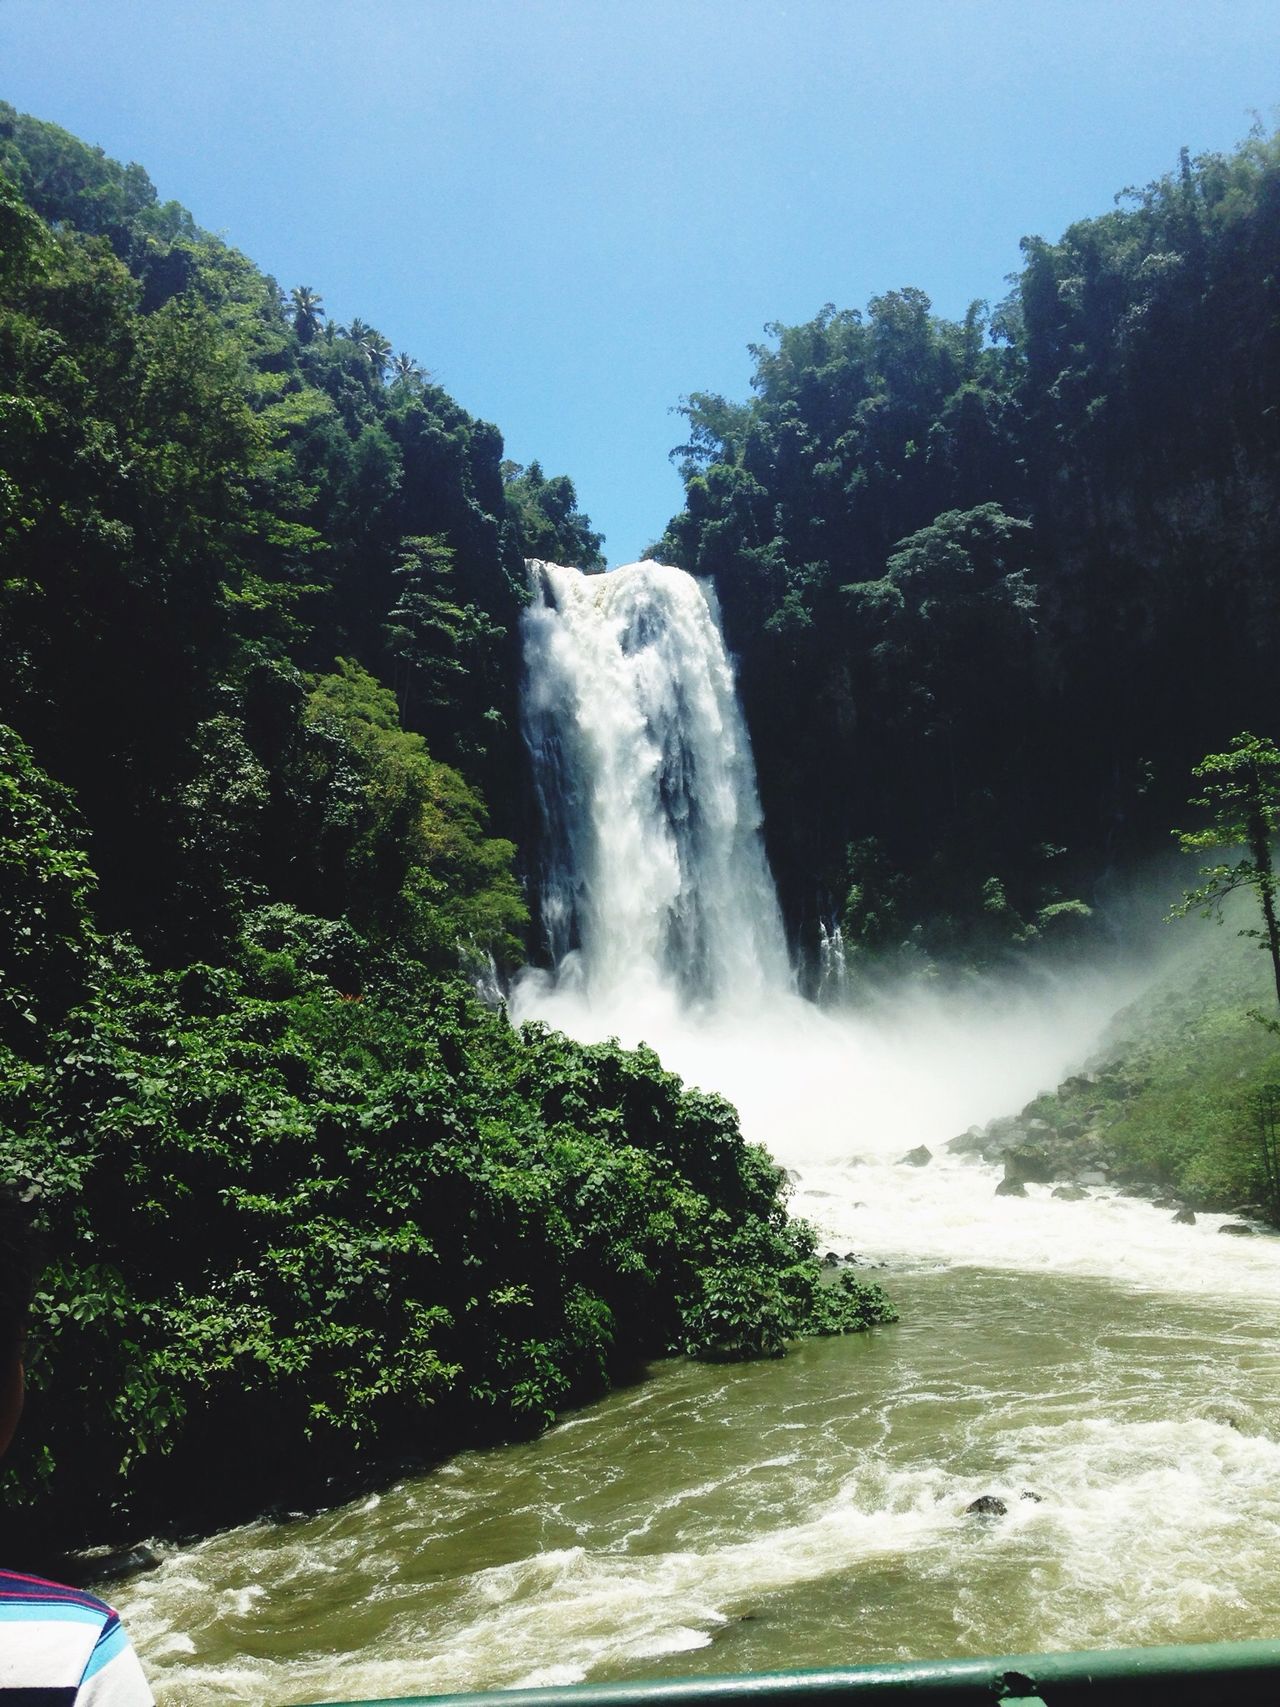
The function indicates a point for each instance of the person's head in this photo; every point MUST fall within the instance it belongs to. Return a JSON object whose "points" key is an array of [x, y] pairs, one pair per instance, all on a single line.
{"points": [[17, 1281]]}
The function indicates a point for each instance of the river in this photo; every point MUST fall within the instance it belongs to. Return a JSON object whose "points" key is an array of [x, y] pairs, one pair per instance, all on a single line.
{"points": [[811, 1511], [1111, 1377]]}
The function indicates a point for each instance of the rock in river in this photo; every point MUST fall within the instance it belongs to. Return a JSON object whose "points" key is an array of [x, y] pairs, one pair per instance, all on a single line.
{"points": [[1029, 1162], [988, 1505]]}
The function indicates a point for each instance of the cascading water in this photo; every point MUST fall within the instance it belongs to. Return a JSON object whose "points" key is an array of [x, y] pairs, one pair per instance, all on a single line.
{"points": [[833, 966], [1120, 1368], [655, 871]]}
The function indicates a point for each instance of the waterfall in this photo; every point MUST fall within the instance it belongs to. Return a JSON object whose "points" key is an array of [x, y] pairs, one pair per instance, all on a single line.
{"points": [[663, 927], [654, 869], [833, 983]]}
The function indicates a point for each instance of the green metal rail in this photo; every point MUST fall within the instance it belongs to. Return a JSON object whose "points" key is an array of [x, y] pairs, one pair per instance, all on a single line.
{"points": [[1210, 1675]]}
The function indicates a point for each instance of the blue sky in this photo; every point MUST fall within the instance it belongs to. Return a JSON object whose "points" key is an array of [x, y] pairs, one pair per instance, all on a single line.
{"points": [[574, 211]]}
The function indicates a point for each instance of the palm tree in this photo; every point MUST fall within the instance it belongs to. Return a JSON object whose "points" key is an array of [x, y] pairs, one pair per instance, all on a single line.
{"points": [[377, 351], [371, 344], [308, 312], [405, 371]]}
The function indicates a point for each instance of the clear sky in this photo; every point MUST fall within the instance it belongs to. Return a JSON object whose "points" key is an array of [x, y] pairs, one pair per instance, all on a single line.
{"points": [[574, 211]]}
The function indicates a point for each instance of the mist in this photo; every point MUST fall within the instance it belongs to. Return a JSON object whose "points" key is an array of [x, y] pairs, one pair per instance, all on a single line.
{"points": [[820, 1084]]}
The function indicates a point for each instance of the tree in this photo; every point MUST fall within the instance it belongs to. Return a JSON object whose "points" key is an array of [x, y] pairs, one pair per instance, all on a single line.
{"points": [[957, 590], [427, 631], [405, 371], [308, 312], [548, 521], [1242, 794], [373, 345]]}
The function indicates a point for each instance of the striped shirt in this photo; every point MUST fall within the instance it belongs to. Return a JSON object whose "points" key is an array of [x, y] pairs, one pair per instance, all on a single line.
{"points": [[62, 1648]]}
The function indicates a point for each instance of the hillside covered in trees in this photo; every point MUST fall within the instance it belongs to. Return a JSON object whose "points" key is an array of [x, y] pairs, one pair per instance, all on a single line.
{"points": [[995, 585], [260, 777]]}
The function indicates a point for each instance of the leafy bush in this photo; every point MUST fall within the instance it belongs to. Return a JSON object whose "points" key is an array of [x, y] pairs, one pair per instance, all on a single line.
{"points": [[46, 934], [333, 1222]]}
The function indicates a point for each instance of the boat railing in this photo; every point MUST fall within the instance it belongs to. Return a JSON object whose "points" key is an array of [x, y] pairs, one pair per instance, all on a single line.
{"points": [[1200, 1675]]}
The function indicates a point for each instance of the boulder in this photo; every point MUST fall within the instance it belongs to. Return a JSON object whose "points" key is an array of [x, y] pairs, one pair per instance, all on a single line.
{"points": [[1237, 1229], [1091, 1176], [990, 1142], [970, 1143], [1004, 1126], [1069, 1193], [831, 1260], [1029, 1162], [987, 1505], [1001, 1134], [1011, 1188], [117, 1562], [1079, 1082], [1027, 1494], [920, 1157], [1185, 1217]]}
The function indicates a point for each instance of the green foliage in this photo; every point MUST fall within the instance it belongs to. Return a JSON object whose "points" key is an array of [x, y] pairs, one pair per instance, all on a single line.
{"points": [[1175, 1087], [402, 843], [196, 478], [1266, 1111], [994, 583], [381, 1219], [46, 889], [768, 1290], [1242, 797], [547, 520], [436, 644]]}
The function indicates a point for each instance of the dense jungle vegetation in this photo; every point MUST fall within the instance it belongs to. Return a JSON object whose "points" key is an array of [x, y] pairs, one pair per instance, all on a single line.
{"points": [[307, 1202], [995, 585]]}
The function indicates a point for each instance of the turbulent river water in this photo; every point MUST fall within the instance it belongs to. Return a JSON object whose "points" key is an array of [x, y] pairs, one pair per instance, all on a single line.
{"points": [[811, 1511]]}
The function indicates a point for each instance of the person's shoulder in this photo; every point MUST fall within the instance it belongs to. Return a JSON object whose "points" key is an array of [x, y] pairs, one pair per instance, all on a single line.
{"points": [[65, 1645], [32, 1597]]}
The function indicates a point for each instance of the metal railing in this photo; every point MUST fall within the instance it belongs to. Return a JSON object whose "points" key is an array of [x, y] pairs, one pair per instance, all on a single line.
{"points": [[1207, 1675]]}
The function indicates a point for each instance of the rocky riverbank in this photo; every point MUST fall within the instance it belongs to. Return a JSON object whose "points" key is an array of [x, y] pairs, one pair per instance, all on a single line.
{"points": [[1169, 1108], [1075, 1154]]}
